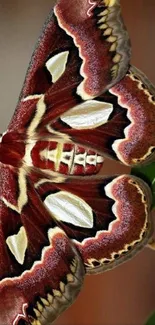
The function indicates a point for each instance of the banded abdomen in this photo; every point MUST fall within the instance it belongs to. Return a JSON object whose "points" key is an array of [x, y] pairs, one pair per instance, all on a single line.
{"points": [[65, 158]]}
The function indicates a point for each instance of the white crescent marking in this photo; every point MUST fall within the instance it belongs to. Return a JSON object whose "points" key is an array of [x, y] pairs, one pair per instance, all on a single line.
{"points": [[18, 244], [57, 65], [88, 115], [70, 208]]}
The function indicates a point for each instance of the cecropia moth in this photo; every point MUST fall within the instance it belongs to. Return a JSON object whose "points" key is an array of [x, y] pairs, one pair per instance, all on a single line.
{"points": [[80, 101]]}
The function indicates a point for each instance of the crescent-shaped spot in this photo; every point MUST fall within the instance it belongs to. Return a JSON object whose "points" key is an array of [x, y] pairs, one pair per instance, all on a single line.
{"points": [[70, 208], [57, 65], [88, 115], [18, 244]]}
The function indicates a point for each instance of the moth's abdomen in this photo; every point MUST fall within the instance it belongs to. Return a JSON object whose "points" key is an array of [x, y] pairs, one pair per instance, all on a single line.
{"points": [[65, 158]]}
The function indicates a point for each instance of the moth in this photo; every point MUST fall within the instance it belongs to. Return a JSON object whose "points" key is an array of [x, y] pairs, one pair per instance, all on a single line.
{"points": [[59, 219]]}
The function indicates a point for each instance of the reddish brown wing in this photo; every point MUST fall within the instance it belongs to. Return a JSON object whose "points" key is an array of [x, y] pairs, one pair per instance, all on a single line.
{"points": [[127, 132], [78, 56], [41, 272], [107, 219]]}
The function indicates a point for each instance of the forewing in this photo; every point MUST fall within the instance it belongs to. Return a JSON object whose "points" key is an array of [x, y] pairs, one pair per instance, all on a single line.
{"points": [[83, 50], [119, 123], [41, 272]]}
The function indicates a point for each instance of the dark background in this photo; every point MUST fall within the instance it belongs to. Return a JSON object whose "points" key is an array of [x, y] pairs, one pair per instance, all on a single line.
{"points": [[126, 295]]}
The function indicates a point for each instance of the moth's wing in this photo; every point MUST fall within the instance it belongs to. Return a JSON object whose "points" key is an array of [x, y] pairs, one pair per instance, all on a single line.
{"points": [[108, 219], [119, 123], [41, 271], [83, 50]]}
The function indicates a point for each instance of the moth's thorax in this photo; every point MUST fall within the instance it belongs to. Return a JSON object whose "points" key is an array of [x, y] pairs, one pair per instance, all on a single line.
{"points": [[12, 149]]}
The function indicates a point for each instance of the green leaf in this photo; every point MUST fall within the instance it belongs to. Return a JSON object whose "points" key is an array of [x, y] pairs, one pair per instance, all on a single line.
{"points": [[151, 320], [147, 173]]}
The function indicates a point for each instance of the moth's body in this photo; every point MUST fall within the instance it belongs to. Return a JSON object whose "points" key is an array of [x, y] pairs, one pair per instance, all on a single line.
{"points": [[66, 158], [57, 219], [54, 155]]}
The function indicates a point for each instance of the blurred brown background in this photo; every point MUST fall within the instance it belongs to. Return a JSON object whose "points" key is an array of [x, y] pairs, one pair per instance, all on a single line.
{"points": [[126, 295]]}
